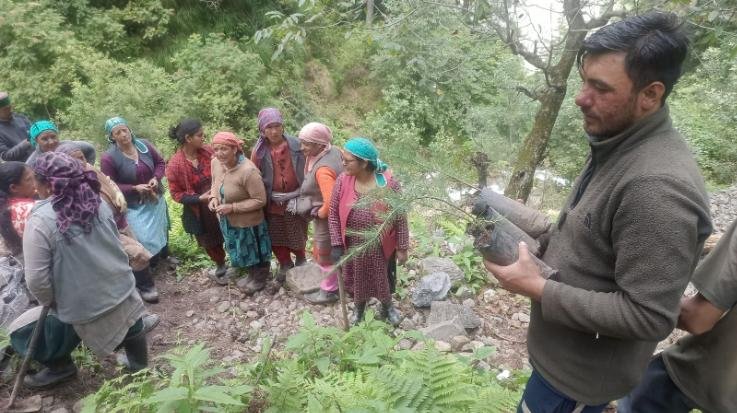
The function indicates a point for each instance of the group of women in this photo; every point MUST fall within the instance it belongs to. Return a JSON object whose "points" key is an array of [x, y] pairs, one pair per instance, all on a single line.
{"points": [[89, 236], [254, 207]]}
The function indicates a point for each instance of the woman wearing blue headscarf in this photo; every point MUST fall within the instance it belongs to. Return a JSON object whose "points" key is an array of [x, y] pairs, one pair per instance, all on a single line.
{"points": [[44, 137], [137, 168], [372, 272]]}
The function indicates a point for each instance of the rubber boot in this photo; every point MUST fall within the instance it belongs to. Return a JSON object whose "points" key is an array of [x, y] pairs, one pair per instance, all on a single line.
{"points": [[281, 274], [256, 281], [358, 312], [321, 297], [145, 285], [390, 313], [136, 352], [221, 270], [53, 373]]}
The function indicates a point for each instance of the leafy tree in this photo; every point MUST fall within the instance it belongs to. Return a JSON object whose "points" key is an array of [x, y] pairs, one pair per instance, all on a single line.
{"points": [[703, 109]]}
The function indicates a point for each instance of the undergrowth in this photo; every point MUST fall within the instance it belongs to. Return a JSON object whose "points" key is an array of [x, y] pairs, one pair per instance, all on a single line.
{"points": [[320, 369]]}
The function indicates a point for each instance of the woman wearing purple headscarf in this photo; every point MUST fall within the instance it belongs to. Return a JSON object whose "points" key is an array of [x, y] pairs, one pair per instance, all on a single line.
{"points": [[282, 165], [76, 265]]}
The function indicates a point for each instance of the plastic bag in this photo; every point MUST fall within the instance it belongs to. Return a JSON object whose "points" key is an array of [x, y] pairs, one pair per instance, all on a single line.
{"points": [[14, 296]]}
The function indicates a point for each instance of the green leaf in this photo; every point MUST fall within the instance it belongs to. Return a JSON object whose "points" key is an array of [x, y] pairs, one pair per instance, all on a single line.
{"points": [[216, 394], [168, 394], [323, 364]]}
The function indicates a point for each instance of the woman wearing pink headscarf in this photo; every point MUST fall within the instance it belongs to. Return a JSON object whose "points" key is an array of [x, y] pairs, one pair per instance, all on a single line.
{"points": [[282, 165], [238, 197], [323, 164]]}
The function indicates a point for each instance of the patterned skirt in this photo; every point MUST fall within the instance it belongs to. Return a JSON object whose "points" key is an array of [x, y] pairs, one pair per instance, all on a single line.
{"points": [[247, 246], [288, 231], [365, 274]]}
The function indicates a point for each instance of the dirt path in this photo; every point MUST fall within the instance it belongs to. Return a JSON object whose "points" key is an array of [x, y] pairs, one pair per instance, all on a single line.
{"points": [[195, 309]]}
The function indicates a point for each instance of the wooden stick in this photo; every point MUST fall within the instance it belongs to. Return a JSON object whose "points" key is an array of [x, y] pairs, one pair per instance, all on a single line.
{"points": [[29, 353], [341, 293]]}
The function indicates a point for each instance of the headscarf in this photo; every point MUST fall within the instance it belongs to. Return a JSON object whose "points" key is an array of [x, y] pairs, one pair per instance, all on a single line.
{"points": [[266, 117], [365, 149], [40, 127], [108, 189], [320, 134], [4, 99], [227, 138], [111, 123], [75, 192], [67, 147]]}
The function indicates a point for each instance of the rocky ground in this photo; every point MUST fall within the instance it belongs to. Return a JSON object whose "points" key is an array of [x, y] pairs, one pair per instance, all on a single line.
{"points": [[195, 309]]}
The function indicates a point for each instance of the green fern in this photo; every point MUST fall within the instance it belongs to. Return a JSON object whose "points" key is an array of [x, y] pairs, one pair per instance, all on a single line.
{"points": [[286, 393]]}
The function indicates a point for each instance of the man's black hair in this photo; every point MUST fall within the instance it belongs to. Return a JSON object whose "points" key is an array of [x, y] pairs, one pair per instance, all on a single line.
{"points": [[655, 44]]}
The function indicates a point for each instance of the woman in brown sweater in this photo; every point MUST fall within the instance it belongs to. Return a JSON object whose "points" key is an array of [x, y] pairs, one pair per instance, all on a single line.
{"points": [[238, 197]]}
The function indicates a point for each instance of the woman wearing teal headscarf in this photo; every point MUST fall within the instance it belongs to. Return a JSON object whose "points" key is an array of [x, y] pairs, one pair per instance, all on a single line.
{"points": [[44, 137], [372, 273], [137, 168]]}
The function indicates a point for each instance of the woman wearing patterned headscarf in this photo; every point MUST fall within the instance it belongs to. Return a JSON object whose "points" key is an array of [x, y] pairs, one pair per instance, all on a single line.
{"points": [[44, 137], [76, 264], [190, 179], [282, 164], [137, 168], [323, 164], [372, 272], [138, 255], [238, 196]]}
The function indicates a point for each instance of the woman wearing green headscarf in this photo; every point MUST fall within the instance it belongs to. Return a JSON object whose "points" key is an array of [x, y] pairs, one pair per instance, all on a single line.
{"points": [[137, 168], [372, 272], [44, 137]]}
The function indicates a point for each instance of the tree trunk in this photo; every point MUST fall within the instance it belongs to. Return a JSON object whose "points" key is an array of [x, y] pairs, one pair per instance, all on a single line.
{"points": [[480, 161], [534, 147], [369, 12]]}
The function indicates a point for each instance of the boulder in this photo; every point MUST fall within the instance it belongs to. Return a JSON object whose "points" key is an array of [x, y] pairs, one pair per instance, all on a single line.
{"points": [[305, 278], [441, 311], [444, 331], [430, 265], [431, 288]]}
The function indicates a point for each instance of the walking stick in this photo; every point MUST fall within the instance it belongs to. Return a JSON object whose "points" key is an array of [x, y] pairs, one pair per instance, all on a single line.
{"points": [[29, 353], [341, 293]]}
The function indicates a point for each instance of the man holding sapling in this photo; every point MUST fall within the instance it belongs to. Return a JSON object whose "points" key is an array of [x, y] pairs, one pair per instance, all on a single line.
{"points": [[628, 237]]}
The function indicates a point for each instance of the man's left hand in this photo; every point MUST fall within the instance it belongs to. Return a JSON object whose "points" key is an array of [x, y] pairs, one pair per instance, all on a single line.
{"points": [[522, 277]]}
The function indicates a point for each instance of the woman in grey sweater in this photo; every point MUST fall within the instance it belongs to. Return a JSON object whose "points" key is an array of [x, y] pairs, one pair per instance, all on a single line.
{"points": [[76, 265]]}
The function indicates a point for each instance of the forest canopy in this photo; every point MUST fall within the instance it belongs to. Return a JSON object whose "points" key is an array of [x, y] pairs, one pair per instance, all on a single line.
{"points": [[432, 82]]}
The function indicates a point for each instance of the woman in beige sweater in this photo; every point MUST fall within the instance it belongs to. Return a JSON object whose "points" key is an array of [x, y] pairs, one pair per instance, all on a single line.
{"points": [[238, 197]]}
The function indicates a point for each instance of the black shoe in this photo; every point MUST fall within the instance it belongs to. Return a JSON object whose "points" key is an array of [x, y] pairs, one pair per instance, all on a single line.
{"points": [[221, 270], [219, 280], [357, 315], [281, 273], [391, 314], [321, 297], [256, 280], [136, 353], [54, 373]]}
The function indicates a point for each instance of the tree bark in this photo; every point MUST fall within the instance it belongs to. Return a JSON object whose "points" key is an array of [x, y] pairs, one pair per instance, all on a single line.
{"points": [[369, 12]]}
